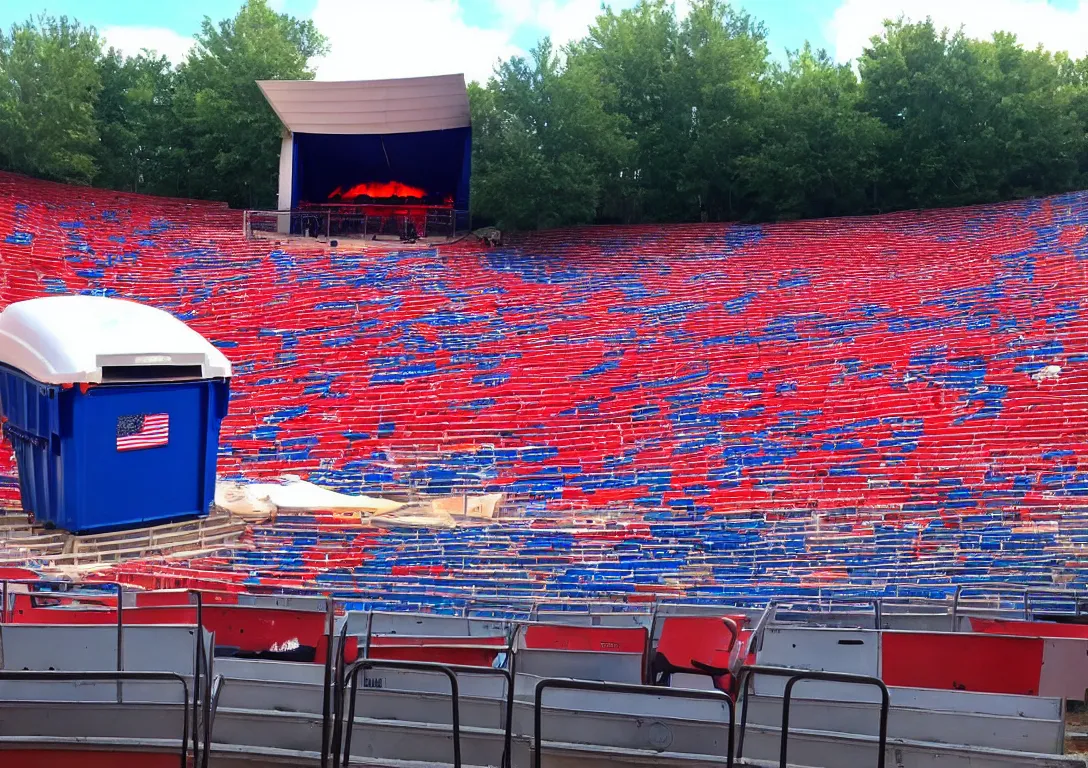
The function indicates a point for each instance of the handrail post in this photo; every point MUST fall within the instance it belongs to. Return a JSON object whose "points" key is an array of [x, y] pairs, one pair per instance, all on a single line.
{"points": [[198, 660], [326, 699], [338, 695], [120, 641], [419, 666], [213, 707], [213, 684]]}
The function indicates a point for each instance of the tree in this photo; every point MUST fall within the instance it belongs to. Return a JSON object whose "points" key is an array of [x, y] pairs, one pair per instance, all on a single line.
{"points": [[232, 136], [545, 147], [1073, 89], [647, 118], [972, 121], [134, 114], [724, 66], [49, 81], [634, 55], [1035, 135], [817, 153]]}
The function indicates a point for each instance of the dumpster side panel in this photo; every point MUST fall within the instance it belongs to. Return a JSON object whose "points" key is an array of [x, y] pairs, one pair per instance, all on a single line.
{"points": [[217, 393], [139, 454], [30, 412]]}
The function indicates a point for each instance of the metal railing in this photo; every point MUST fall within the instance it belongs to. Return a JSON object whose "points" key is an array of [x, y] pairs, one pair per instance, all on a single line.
{"points": [[644, 690], [199, 714], [795, 676], [418, 666], [340, 675], [376, 220], [120, 678]]}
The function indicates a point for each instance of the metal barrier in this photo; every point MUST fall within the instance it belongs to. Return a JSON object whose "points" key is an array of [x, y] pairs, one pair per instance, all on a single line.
{"points": [[647, 690], [337, 682], [795, 676], [117, 586], [327, 684], [418, 666], [209, 719], [361, 222], [508, 649], [201, 661], [120, 677], [508, 727]]}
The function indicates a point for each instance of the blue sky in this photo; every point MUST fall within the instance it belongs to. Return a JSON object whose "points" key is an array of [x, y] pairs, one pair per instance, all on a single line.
{"points": [[390, 38]]}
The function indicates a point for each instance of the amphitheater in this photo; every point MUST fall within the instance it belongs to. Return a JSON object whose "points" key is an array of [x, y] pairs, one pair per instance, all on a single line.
{"points": [[882, 405], [844, 412]]}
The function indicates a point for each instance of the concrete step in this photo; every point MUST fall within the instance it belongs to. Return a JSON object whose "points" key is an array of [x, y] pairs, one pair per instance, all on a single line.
{"points": [[55, 549]]}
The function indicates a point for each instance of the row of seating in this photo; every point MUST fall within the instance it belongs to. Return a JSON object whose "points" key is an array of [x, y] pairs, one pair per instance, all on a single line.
{"points": [[561, 685], [930, 365], [978, 646], [741, 559]]}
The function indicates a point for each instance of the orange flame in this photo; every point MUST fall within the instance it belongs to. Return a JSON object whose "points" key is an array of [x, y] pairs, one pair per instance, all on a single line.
{"points": [[377, 190]]}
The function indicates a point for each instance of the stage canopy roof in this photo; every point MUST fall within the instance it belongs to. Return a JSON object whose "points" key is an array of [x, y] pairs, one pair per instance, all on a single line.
{"points": [[405, 105], [349, 142]]}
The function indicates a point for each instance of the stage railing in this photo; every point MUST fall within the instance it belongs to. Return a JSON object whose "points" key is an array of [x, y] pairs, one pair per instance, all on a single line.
{"points": [[358, 222]]}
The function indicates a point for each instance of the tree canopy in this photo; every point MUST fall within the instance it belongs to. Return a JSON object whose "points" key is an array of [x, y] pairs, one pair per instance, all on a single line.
{"points": [[74, 111], [649, 117]]}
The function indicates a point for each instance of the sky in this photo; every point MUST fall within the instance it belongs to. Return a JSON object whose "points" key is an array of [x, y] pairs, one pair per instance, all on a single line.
{"points": [[406, 38]]}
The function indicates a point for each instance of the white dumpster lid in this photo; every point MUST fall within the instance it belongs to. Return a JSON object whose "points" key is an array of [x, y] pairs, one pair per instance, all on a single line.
{"points": [[69, 339]]}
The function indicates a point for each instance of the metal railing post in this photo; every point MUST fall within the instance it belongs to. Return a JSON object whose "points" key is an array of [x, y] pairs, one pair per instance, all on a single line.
{"points": [[418, 666]]}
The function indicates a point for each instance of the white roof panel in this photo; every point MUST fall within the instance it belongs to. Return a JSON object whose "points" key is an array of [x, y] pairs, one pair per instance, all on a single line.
{"points": [[407, 105], [68, 339]]}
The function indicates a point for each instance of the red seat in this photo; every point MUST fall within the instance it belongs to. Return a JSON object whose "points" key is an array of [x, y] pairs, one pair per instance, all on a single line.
{"points": [[708, 645]]}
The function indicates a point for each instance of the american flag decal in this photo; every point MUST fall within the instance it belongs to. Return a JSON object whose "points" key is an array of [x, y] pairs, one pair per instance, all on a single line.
{"points": [[143, 431]]}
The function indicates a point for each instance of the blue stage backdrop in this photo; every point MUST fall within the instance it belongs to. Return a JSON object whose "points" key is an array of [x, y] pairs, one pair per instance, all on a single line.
{"points": [[438, 162]]}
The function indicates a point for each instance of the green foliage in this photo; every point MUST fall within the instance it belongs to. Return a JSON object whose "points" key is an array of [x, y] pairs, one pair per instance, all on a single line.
{"points": [[49, 83], [647, 118], [725, 66], [135, 121], [818, 152], [232, 135], [714, 130], [73, 112], [546, 143]]}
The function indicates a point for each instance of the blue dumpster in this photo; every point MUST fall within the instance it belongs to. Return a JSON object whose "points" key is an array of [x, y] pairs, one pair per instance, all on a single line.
{"points": [[113, 410]]}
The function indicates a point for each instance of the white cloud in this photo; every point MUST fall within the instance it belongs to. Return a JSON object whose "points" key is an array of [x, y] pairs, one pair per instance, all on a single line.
{"points": [[131, 40], [374, 39], [1033, 21], [566, 21], [514, 13]]}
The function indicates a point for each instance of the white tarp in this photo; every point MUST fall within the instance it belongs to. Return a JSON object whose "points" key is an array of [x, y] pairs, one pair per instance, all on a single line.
{"points": [[259, 501]]}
